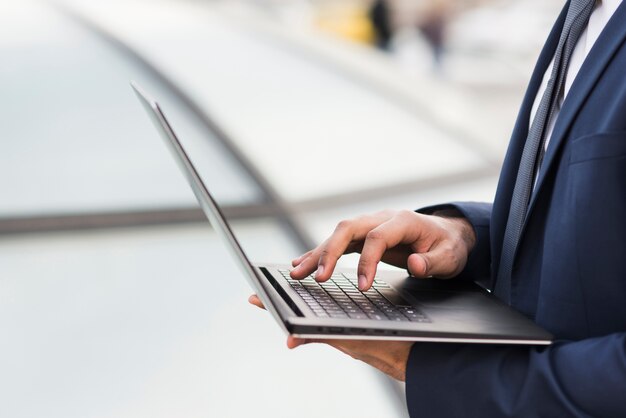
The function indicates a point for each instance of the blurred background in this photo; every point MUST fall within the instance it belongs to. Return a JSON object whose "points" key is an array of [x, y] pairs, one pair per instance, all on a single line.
{"points": [[116, 297]]}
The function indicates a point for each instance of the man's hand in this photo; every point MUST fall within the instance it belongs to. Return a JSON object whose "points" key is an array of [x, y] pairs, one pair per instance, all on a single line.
{"points": [[390, 357], [426, 245]]}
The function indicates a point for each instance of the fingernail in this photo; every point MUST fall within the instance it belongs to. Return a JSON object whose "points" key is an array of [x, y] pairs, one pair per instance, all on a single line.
{"points": [[362, 282], [294, 272], [320, 271], [425, 264]]}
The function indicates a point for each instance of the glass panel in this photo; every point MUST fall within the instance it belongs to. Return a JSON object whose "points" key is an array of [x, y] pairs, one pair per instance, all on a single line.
{"points": [[75, 139], [315, 125]]}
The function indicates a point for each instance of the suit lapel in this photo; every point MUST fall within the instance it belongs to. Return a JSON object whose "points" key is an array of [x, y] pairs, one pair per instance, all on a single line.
{"points": [[599, 57]]}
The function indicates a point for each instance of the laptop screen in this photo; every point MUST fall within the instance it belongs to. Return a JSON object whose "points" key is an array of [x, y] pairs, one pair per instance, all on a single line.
{"points": [[210, 207]]}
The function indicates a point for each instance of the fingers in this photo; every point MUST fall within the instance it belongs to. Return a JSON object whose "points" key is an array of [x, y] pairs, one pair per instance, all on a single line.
{"points": [[334, 248], [324, 258], [299, 260], [389, 357], [397, 230], [444, 260], [345, 238], [427, 245], [254, 300], [294, 342], [417, 265], [321, 263]]}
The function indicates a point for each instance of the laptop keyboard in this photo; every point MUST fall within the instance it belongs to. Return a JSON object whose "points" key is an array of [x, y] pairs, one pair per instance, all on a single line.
{"points": [[339, 297]]}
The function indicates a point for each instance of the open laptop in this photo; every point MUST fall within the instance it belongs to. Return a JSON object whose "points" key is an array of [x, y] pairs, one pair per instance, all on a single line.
{"points": [[397, 307]]}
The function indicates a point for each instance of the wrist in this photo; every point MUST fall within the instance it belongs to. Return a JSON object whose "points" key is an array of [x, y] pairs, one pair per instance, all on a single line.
{"points": [[398, 357]]}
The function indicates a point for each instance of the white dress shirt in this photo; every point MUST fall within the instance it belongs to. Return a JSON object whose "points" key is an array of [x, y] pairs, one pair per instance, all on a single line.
{"points": [[603, 11]]}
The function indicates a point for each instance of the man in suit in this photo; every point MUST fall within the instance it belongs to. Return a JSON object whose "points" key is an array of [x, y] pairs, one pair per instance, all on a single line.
{"points": [[552, 245]]}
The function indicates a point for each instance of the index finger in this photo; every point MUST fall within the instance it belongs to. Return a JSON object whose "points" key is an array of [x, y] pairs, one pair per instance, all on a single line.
{"points": [[345, 238], [377, 242]]}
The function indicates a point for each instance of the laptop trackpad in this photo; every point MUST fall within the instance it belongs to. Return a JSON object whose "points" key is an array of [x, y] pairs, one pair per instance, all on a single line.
{"points": [[447, 294]]}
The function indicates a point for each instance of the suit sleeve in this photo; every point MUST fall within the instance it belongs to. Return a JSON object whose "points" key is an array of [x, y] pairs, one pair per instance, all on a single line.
{"points": [[478, 267], [585, 378]]}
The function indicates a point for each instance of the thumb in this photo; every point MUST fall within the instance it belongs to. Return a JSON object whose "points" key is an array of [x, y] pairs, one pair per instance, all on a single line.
{"points": [[440, 262], [418, 265]]}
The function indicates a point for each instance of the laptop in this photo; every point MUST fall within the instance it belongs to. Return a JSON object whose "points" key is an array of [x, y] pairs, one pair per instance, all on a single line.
{"points": [[396, 307]]}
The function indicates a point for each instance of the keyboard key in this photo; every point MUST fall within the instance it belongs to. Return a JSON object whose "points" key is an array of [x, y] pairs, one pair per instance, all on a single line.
{"points": [[339, 297]]}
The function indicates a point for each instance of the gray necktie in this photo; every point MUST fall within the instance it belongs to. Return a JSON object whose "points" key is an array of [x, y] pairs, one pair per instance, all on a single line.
{"points": [[575, 23]]}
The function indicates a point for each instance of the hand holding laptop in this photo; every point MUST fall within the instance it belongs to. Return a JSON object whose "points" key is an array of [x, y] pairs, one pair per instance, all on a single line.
{"points": [[426, 245], [390, 357]]}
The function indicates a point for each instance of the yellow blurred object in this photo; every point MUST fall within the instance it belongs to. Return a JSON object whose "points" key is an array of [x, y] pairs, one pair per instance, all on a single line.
{"points": [[349, 21]]}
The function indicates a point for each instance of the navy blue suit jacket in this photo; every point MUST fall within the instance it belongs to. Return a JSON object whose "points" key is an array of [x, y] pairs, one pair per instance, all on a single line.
{"points": [[570, 268]]}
